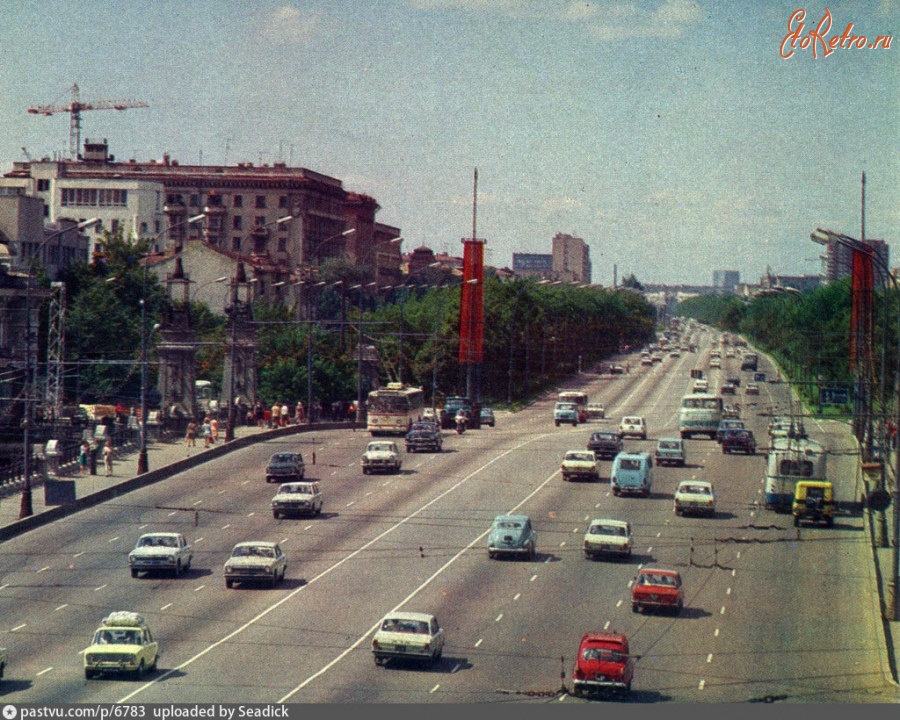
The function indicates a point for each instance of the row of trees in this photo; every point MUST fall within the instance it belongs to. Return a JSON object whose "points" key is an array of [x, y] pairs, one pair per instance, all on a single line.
{"points": [[534, 334]]}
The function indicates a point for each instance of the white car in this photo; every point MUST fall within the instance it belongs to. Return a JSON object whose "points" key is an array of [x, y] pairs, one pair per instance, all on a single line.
{"points": [[695, 497], [255, 561], [715, 362], [701, 385], [409, 636], [633, 426], [595, 410], [580, 465], [381, 456], [4, 659], [608, 537], [297, 498], [166, 551]]}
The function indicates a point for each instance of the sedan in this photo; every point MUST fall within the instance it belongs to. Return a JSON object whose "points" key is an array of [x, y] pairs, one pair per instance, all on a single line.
{"points": [[512, 535], [409, 636], [487, 416], [695, 497], [657, 589]]}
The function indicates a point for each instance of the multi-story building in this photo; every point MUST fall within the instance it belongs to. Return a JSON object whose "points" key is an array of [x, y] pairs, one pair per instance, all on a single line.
{"points": [[533, 264], [725, 281], [839, 259], [242, 204], [571, 258]]}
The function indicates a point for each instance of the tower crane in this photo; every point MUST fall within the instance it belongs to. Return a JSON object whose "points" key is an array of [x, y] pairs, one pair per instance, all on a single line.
{"points": [[74, 109]]}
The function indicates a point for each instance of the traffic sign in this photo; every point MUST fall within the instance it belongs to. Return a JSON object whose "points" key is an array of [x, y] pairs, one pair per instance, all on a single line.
{"points": [[834, 396]]}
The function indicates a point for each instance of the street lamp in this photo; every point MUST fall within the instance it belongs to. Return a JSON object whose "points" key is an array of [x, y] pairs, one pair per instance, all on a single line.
{"points": [[823, 237], [26, 508]]}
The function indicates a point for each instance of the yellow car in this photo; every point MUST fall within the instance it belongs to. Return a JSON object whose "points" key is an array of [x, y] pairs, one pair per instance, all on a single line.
{"points": [[122, 644], [814, 501]]}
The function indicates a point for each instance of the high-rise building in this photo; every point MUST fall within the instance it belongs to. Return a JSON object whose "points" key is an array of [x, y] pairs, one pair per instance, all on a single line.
{"points": [[571, 258], [724, 281], [533, 264], [839, 259]]}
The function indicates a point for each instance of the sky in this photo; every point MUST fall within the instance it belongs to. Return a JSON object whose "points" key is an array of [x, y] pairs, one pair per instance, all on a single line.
{"points": [[676, 137]]}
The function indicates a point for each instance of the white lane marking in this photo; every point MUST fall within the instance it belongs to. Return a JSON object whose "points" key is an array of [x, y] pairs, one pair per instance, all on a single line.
{"points": [[173, 513], [716, 633], [563, 543], [198, 502], [722, 611], [196, 589], [434, 689], [630, 583], [574, 530], [82, 552], [113, 539], [44, 568], [283, 541], [222, 492], [738, 554], [245, 482], [200, 539], [702, 685], [97, 589], [165, 607], [455, 668], [64, 605], [606, 626], [546, 561], [251, 514], [597, 506], [480, 640], [619, 604], [499, 618], [19, 627], [350, 556], [728, 591], [350, 504], [709, 658], [385, 484], [531, 579], [43, 672], [517, 596], [307, 527], [226, 526], [649, 549], [733, 572], [587, 517], [142, 527], [368, 493], [659, 534], [4, 586]]}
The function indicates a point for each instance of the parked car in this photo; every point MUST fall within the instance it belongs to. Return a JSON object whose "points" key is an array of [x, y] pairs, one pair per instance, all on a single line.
{"points": [[300, 498], [728, 389], [633, 426], [715, 362], [813, 502], [166, 551], [381, 456], [605, 445], [608, 537], [580, 465], [512, 535], [255, 561], [603, 664], [122, 643], [738, 441], [424, 435], [670, 451], [657, 589], [616, 369], [564, 412], [487, 416], [595, 411], [632, 473], [695, 497], [728, 424], [408, 636], [751, 389], [285, 466]]}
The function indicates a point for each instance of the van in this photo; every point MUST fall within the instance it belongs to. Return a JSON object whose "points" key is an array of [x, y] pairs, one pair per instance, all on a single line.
{"points": [[632, 473], [814, 502]]}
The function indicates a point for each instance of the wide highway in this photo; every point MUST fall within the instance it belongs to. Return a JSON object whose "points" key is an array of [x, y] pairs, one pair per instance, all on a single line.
{"points": [[770, 613]]}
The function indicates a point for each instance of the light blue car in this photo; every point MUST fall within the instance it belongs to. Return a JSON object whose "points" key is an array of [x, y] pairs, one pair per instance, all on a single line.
{"points": [[512, 535], [565, 413]]}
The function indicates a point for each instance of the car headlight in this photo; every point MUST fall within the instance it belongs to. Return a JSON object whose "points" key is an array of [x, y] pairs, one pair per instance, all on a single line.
{"points": [[171, 559], [228, 568]]}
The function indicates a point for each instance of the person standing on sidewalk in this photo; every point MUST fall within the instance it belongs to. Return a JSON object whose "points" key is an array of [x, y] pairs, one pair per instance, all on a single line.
{"points": [[214, 429], [285, 415], [83, 457], [206, 432], [190, 435], [108, 458]]}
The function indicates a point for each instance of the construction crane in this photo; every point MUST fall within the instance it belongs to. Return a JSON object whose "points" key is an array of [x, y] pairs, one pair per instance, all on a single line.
{"points": [[74, 109]]}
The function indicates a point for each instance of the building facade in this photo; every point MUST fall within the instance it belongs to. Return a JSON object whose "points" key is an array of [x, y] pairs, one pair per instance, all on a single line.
{"points": [[839, 260], [725, 281], [533, 265], [571, 259]]}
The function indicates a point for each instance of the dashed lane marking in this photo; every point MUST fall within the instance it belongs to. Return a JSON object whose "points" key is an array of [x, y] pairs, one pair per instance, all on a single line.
{"points": [[709, 658], [434, 689], [111, 540], [197, 589], [517, 596], [531, 579], [499, 618], [64, 605], [97, 589], [165, 607], [702, 685], [44, 568], [480, 640], [43, 672], [19, 627]]}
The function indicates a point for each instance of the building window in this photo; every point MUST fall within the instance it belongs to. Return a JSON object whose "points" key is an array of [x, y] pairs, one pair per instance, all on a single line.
{"points": [[43, 186], [282, 244], [260, 220], [195, 201], [237, 222], [261, 202], [114, 226], [214, 200], [283, 201], [238, 201], [92, 197], [156, 228], [46, 211], [143, 230], [236, 244]]}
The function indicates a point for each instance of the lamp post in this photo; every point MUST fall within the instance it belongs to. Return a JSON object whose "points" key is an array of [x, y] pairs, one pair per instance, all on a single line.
{"points": [[823, 237], [26, 508]]}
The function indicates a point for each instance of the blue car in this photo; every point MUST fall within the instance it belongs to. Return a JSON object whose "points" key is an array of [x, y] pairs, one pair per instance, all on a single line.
{"points": [[512, 535]]}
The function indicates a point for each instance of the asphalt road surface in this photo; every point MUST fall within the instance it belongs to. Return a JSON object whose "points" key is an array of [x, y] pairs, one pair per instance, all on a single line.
{"points": [[770, 614]]}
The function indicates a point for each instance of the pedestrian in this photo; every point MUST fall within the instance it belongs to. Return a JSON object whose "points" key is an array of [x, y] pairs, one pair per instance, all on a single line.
{"points": [[83, 457], [206, 432], [190, 435], [108, 458], [298, 413], [214, 429], [260, 414], [275, 415], [92, 455], [285, 414]]}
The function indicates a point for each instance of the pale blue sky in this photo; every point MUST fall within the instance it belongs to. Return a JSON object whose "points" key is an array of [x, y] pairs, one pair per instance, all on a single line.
{"points": [[669, 134]]}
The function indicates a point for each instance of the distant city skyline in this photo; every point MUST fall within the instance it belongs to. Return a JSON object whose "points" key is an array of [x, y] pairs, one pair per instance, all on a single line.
{"points": [[672, 135]]}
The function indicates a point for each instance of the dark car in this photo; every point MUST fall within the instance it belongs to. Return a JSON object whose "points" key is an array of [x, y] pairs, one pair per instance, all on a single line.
{"points": [[285, 466], [487, 416], [728, 424], [452, 405], [738, 441], [605, 444], [424, 435]]}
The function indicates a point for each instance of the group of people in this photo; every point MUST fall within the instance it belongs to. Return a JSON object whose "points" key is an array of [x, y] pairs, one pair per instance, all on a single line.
{"points": [[87, 456], [208, 431]]}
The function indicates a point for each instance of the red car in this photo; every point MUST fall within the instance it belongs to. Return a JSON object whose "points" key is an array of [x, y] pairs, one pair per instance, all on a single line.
{"points": [[738, 441], [656, 589], [603, 664]]}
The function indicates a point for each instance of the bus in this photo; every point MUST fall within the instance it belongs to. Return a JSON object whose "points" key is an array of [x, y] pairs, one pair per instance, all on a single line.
{"points": [[207, 402], [391, 410], [791, 459], [700, 415], [580, 400]]}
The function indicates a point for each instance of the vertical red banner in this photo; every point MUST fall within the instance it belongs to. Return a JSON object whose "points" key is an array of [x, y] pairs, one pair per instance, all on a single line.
{"points": [[471, 311], [862, 310]]}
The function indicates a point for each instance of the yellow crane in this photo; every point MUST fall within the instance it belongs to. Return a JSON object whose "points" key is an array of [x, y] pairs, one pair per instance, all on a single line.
{"points": [[74, 109]]}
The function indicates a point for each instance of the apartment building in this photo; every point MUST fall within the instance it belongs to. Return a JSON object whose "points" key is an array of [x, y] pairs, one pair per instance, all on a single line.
{"points": [[571, 258]]}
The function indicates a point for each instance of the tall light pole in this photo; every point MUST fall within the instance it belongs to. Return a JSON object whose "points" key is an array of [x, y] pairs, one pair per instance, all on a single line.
{"points": [[26, 508], [142, 463], [823, 237]]}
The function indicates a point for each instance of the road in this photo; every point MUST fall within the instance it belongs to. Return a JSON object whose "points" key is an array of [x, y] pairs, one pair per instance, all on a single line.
{"points": [[770, 613]]}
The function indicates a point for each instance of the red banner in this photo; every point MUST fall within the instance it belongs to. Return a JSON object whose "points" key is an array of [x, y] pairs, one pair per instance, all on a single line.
{"points": [[471, 311], [862, 310]]}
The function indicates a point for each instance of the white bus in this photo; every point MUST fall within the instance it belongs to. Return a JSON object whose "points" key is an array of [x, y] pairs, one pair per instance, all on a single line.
{"points": [[700, 415], [791, 459], [580, 400], [392, 409]]}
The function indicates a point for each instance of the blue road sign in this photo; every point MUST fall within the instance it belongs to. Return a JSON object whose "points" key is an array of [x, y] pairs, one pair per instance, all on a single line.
{"points": [[834, 396]]}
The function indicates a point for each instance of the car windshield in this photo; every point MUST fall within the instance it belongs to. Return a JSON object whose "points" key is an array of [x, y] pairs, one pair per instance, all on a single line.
{"points": [[282, 458], [253, 551], [117, 637], [155, 541], [607, 530], [565, 406], [694, 490], [631, 421], [380, 447], [630, 464], [597, 653], [669, 445], [656, 579], [421, 426], [295, 490], [419, 627], [507, 524], [580, 457]]}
